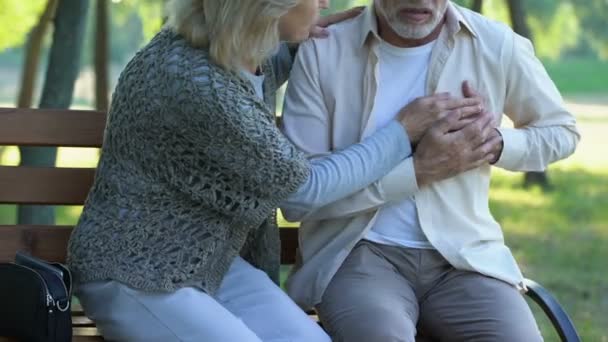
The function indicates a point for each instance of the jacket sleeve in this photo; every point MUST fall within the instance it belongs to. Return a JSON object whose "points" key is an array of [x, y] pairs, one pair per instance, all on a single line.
{"points": [[544, 131]]}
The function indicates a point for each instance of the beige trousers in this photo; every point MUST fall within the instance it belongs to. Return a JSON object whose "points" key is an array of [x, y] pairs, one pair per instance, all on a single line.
{"points": [[383, 294]]}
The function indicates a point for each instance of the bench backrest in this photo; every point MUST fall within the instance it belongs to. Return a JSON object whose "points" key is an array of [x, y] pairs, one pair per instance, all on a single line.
{"points": [[58, 186]]}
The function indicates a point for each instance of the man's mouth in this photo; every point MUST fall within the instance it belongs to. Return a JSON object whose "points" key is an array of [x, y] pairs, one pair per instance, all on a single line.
{"points": [[416, 15]]}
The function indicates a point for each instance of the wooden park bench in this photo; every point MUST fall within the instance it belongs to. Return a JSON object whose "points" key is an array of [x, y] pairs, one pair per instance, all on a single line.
{"points": [[69, 186]]}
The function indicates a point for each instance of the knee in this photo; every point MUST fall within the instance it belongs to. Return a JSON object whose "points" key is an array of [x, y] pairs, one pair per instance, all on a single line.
{"points": [[374, 325], [311, 334], [517, 323], [522, 330], [507, 329], [384, 334], [363, 332]]}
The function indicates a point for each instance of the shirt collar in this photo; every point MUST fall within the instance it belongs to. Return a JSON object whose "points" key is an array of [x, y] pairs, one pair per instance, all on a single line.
{"points": [[455, 22]]}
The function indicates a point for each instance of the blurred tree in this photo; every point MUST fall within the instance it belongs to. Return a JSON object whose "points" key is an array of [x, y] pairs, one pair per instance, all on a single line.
{"points": [[593, 16], [62, 70], [126, 31], [340, 5], [133, 23], [520, 26], [21, 15], [101, 55], [518, 18], [554, 26], [32, 56], [151, 13], [477, 6]]}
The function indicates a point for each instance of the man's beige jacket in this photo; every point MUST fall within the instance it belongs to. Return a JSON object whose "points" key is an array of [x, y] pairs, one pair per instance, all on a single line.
{"points": [[328, 107]]}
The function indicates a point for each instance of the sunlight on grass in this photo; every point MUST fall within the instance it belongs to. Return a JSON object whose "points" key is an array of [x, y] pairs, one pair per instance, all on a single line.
{"points": [[283, 222], [67, 215], [8, 214], [592, 151], [532, 199], [66, 157], [77, 157], [10, 156], [559, 239]]}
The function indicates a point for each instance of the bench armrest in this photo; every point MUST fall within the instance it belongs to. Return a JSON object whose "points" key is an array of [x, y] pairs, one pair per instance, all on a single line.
{"points": [[558, 316]]}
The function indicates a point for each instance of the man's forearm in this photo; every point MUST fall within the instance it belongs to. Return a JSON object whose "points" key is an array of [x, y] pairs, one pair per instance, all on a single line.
{"points": [[534, 148]]}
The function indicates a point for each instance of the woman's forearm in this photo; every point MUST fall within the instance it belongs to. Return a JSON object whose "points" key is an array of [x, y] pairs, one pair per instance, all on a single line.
{"points": [[345, 172]]}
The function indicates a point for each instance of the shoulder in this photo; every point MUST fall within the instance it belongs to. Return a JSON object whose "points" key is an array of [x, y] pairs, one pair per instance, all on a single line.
{"points": [[492, 34], [342, 39], [195, 79], [494, 42], [483, 25]]}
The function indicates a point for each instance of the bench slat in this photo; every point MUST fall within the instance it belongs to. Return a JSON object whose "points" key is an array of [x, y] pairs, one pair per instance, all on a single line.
{"points": [[79, 335], [82, 322], [50, 242], [78, 338], [51, 127], [41, 185], [92, 334]]}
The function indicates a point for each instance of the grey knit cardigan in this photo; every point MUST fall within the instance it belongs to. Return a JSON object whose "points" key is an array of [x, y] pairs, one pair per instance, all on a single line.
{"points": [[191, 171]]}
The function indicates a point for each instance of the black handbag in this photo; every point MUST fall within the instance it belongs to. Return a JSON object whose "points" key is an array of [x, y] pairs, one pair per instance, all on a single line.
{"points": [[35, 300]]}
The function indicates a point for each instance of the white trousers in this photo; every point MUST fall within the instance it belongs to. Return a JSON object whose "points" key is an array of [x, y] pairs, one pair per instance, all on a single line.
{"points": [[248, 307]]}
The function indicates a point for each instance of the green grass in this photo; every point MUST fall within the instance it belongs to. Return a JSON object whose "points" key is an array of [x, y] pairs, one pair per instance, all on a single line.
{"points": [[578, 76], [560, 239]]}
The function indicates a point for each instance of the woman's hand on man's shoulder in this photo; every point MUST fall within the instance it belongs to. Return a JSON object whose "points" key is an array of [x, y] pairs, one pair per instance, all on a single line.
{"points": [[320, 29]]}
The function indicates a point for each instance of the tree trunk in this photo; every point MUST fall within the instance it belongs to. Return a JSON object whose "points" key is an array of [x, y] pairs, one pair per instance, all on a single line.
{"points": [[61, 74], [520, 26], [537, 178], [32, 56], [477, 6], [101, 56], [518, 18]]}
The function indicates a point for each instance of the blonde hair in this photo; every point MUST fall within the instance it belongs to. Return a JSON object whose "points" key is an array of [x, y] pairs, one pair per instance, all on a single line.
{"points": [[234, 31]]}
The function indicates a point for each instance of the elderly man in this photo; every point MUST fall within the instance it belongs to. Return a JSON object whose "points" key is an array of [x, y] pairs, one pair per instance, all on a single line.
{"points": [[418, 251]]}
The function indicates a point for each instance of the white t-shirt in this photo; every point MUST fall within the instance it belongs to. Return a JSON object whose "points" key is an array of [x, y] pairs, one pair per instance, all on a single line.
{"points": [[402, 79]]}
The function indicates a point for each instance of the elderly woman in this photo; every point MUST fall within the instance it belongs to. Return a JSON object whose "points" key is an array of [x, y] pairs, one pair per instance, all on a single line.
{"points": [[178, 240]]}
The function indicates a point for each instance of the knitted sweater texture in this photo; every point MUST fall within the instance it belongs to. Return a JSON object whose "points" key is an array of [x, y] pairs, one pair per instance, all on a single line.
{"points": [[191, 171]]}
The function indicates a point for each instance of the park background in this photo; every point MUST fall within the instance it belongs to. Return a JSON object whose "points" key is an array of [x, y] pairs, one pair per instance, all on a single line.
{"points": [[556, 226]]}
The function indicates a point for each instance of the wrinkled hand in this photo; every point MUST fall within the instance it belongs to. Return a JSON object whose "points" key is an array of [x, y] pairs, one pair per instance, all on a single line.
{"points": [[419, 115], [320, 29], [496, 148], [449, 149], [468, 91]]}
